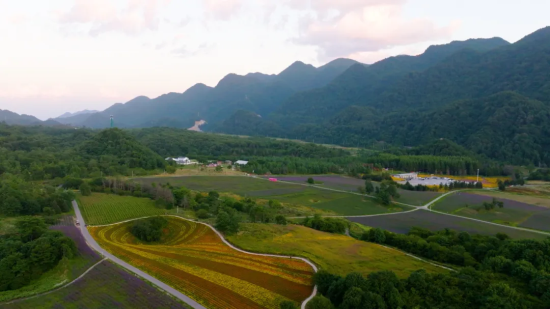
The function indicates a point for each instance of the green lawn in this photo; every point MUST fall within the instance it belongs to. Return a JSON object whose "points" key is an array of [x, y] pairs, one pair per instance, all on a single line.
{"points": [[338, 254], [99, 208], [293, 194]]}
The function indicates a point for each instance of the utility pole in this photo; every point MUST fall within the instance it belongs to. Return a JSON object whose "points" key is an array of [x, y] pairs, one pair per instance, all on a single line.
{"points": [[478, 175]]}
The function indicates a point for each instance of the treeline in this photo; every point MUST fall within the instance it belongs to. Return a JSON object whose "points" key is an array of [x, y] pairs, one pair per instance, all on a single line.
{"points": [[30, 252], [541, 174], [524, 261], [427, 164], [22, 198], [455, 185], [329, 225], [203, 146]]}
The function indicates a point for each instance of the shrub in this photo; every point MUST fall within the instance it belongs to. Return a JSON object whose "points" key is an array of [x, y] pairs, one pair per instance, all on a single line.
{"points": [[85, 189], [203, 214], [281, 220]]}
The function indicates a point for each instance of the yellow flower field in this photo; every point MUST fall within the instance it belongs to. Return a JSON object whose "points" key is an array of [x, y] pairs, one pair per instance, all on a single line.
{"points": [[488, 182], [192, 258]]}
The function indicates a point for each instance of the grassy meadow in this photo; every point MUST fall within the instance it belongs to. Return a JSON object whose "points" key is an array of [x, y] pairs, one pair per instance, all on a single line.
{"points": [[338, 254]]}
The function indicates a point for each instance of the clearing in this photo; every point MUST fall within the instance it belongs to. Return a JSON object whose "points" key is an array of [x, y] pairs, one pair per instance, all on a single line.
{"points": [[101, 208], [338, 254], [402, 223], [192, 258]]}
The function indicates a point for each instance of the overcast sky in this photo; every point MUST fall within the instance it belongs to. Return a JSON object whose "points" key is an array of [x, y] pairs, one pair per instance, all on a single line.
{"points": [[68, 55]]}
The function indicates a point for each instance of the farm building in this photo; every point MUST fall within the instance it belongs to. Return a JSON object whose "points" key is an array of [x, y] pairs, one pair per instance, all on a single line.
{"points": [[241, 162], [181, 160], [407, 176]]}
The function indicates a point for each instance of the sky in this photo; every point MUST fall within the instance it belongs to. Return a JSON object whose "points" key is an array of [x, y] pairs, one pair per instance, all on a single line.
{"points": [[61, 56]]}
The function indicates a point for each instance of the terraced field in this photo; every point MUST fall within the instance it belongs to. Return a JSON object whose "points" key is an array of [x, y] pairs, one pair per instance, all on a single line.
{"points": [[101, 208], [513, 213], [193, 259]]}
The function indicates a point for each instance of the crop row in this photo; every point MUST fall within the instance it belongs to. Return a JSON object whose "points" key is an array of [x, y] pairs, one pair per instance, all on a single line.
{"points": [[100, 209], [192, 258]]}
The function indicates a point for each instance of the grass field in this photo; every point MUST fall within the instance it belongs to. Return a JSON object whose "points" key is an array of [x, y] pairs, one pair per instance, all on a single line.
{"points": [[339, 254], [105, 286], [402, 223], [193, 259], [513, 213], [351, 184], [335, 202], [535, 197], [100, 208]]}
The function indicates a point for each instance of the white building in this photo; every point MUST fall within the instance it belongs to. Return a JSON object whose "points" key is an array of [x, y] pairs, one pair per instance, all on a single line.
{"points": [[181, 160], [241, 162], [407, 176]]}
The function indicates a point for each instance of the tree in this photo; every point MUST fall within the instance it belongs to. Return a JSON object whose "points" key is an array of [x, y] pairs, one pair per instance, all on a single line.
{"points": [[228, 221], [369, 187], [287, 304], [311, 181], [171, 169], [377, 235], [501, 185], [30, 228], [386, 192], [85, 189], [281, 220], [319, 302], [203, 214], [219, 168], [11, 206]]}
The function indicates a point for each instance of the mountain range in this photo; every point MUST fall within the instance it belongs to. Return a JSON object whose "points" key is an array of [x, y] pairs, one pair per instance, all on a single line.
{"points": [[487, 95]]}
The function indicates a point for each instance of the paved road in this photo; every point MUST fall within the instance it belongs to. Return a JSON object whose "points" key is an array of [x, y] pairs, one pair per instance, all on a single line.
{"points": [[92, 243]]}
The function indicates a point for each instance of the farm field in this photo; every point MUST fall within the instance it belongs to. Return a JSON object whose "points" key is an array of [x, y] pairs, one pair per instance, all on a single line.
{"points": [[338, 254], [335, 202], [351, 184], [193, 259], [101, 208], [105, 286], [402, 223], [534, 196], [513, 213], [66, 271]]}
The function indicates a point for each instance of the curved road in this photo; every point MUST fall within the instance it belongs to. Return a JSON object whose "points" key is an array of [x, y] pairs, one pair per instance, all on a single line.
{"points": [[169, 289], [92, 243]]}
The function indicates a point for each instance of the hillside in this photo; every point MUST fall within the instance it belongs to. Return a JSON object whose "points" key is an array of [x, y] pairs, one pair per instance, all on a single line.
{"points": [[115, 145], [12, 118], [254, 92]]}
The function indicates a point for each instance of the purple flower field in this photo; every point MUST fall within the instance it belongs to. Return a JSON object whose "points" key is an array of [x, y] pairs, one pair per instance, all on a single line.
{"points": [[74, 233], [402, 223], [106, 286], [461, 199]]}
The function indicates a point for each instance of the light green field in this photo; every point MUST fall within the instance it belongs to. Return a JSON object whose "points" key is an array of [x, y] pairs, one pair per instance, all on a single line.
{"points": [[331, 201], [99, 208], [337, 254]]}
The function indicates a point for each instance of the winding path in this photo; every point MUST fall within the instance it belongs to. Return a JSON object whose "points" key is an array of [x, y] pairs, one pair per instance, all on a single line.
{"points": [[160, 284]]}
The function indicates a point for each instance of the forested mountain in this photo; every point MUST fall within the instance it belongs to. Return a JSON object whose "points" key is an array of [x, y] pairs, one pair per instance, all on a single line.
{"points": [[255, 92], [488, 96], [9, 117], [83, 112]]}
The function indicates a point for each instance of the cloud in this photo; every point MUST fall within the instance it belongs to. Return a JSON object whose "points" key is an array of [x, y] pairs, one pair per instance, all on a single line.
{"points": [[222, 9], [103, 16], [18, 19], [369, 29], [202, 49]]}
